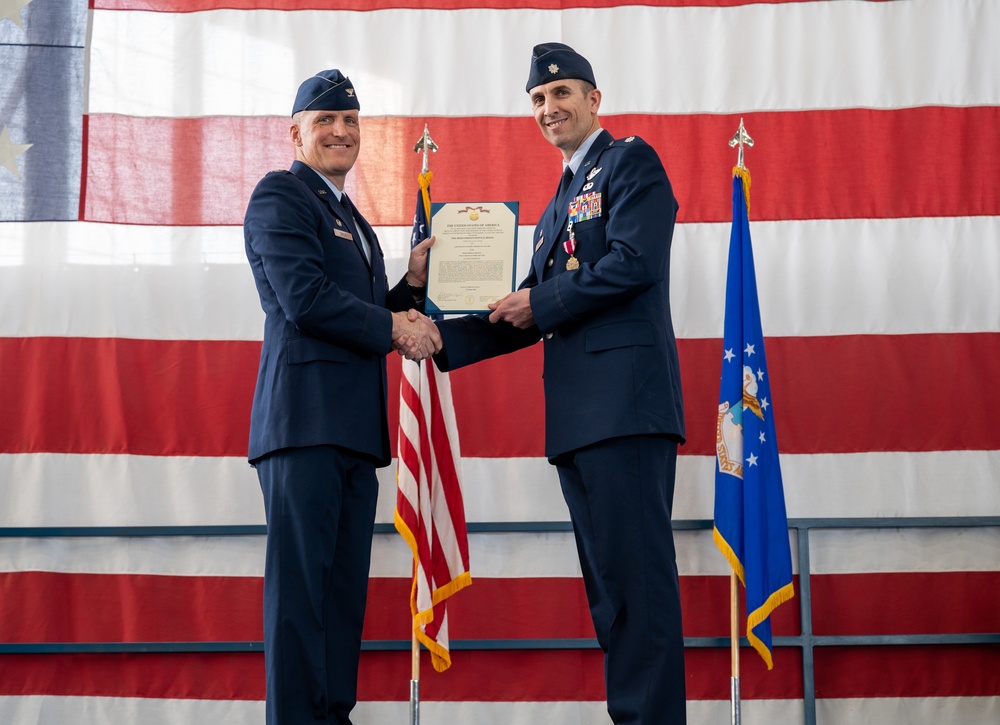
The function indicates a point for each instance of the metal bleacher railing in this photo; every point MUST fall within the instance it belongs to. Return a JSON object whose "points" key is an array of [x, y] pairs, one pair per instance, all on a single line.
{"points": [[805, 640]]}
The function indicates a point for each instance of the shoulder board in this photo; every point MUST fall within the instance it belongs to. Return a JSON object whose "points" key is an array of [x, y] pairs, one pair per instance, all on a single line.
{"points": [[622, 142]]}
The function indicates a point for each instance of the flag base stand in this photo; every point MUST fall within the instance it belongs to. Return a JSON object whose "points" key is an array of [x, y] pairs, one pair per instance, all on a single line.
{"points": [[414, 702], [734, 703]]}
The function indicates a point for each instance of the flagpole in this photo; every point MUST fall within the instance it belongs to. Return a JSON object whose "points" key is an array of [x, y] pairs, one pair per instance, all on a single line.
{"points": [[740, 139], [426, 145], [415, 680], [734, 646]]}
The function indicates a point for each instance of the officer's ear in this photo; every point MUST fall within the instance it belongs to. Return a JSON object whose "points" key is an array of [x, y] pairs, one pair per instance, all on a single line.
{"points": [[594, 97]]}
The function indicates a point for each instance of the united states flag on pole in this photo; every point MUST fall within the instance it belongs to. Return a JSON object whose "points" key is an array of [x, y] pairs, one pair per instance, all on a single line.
{"points": [[751, 527], [430, 514]]}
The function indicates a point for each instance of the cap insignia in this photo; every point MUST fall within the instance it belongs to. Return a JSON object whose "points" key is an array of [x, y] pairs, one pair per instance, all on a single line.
{"points": [[553, 68]]}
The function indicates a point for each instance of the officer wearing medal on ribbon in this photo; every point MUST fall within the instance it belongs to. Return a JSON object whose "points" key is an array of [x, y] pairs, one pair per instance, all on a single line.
{"points": [[318, 426], [597, 294]]}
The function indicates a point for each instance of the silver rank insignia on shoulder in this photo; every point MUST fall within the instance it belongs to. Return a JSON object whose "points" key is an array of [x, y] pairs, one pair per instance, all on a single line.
{"points": [[630, 139], [321, 192], [594, 172]]}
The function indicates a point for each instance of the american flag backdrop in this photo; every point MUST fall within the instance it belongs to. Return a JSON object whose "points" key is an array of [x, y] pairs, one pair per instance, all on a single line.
{"points": [[131, 135]]}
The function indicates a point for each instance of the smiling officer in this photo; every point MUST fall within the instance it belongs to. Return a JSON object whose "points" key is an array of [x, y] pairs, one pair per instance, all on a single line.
{"points": [[598, 293]]}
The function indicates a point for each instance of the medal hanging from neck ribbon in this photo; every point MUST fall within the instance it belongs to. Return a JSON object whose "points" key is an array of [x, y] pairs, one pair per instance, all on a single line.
{"points": [[570, 246]]}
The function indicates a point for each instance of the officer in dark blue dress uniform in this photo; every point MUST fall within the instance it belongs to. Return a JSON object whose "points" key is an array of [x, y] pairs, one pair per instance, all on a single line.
{"points": [[318, 427], [598, 295]]}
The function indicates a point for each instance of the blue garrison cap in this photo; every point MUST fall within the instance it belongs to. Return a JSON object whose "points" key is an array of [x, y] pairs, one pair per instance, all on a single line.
{"points": [[328, 90], [555, 61]]}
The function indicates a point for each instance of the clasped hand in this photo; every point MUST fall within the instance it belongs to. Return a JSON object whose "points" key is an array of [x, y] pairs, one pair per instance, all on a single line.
{"points": [[414, 335]]}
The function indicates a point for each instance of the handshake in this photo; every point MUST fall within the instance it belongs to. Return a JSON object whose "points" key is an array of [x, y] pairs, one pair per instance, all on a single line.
{"points": [[414, 335]]}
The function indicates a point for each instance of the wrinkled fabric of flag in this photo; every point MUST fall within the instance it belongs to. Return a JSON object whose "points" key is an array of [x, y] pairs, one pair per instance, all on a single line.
{"points": [[130, 336], [751, 526], [42, 54]]}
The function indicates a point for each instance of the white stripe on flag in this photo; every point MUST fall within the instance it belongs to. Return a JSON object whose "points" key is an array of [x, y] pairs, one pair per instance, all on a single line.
{"points": [[809, 55], [837, 277]]}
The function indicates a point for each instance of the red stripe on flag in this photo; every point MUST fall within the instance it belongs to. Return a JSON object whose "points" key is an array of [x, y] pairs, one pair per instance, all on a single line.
{"points": [[170, 397], [153, 608], [537, 676], [200, 676], [819, 385], [118, 395], [909, 671], [857, 180]]}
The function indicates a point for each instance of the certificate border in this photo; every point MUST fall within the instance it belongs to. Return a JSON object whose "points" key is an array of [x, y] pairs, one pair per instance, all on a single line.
{"points": [[432, 309]]}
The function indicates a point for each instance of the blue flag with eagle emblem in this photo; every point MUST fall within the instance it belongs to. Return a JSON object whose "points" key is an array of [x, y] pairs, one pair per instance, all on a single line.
{"points": [[751, 526]]}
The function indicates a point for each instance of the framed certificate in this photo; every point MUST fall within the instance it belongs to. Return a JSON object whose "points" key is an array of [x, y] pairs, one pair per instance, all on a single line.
{"points": [[472, 262]]}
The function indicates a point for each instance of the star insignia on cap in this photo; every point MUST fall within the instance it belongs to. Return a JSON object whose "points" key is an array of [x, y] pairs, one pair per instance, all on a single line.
{"points": [[553, 68], [9, 151]]}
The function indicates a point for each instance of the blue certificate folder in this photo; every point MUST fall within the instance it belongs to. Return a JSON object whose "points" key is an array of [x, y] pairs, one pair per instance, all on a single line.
{"points": [[485, 269]]}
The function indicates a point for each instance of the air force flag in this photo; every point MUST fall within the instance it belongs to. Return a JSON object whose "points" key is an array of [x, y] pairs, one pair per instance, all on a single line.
{"points": [[751, 527]]}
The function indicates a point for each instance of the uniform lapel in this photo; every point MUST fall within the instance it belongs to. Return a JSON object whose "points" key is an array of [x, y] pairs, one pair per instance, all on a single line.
{"points": [[341, 218], [553, 228], [363, 226]]}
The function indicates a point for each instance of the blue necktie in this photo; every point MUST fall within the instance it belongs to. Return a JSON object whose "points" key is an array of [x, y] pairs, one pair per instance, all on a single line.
{"points": [[346, 203], [564, 182]]}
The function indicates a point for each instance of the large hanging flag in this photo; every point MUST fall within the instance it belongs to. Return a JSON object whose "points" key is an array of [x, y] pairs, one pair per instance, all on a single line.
{"points": [[130, 335], [430, 514], [751, 526]]}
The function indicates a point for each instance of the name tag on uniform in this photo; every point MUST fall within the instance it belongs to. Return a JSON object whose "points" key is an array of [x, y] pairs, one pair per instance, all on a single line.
{"points": [[584, 207], [343, 234]]}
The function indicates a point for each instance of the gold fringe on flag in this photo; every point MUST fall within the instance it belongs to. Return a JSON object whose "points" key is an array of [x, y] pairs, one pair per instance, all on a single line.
{"points": [[743, 173], [757, 616], [425, 191]]}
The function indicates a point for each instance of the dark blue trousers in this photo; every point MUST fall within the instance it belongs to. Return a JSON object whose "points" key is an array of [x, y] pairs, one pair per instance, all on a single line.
{"points": [[620, 495], [320, 509]]}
